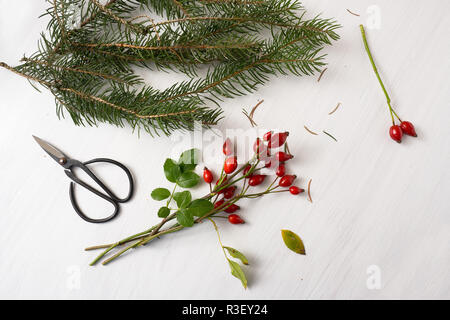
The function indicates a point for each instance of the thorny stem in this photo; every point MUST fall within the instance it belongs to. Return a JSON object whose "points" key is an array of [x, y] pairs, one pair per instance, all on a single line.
{"points": [[141, 242], [388, 98], [112, 246], [146, 236]]}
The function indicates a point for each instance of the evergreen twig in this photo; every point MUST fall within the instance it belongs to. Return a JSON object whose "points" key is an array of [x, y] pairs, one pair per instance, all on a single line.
{"points": [[90, 67]]}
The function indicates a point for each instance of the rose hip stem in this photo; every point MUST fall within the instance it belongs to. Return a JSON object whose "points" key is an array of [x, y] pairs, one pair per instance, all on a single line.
{"points": [[366, 45]]}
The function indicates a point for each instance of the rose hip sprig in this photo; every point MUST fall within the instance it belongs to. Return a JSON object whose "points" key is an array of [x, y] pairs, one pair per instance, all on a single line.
{"points": [[405, 127], [184, 212]]}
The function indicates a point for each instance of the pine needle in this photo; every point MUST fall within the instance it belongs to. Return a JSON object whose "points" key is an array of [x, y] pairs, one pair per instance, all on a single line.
{"points": [[355, 14], [312, 132], [309, 191], [335, 109], [321, 74], [330, 135]]}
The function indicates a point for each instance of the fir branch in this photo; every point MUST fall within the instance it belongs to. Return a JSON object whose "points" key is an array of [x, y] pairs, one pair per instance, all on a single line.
{"points": [[97, 99], [90, 68], [93, 73], [174, 47], [114, 16], [14, 70], [178, 4]]}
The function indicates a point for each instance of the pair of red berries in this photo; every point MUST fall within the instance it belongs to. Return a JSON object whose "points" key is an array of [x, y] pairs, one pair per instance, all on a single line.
{"points": [[396, 131], [232, 218], [228, 193], [287, 181]]}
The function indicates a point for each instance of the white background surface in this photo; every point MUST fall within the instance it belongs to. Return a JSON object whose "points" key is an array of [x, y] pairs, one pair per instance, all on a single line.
{"points": [[375, 202]]}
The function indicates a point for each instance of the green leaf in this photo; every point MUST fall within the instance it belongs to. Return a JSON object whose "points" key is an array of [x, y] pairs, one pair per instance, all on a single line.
{"points": [[200, 207], [182, 198], [160, 194], [293, 241], [185, 218], [172, 170], [189, 159], [188, 179], [236, 254], [163, 212], [236, 271]]}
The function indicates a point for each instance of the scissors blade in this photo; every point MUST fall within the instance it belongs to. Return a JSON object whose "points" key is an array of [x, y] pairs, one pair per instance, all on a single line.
{"points": [[51, 150]]}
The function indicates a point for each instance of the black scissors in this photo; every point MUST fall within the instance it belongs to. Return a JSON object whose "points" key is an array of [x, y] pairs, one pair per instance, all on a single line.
{"points": [[70, 164]]}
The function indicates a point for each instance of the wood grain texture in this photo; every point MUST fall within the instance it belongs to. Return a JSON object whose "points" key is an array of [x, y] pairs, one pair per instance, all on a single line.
{"points": [[376, 203]]}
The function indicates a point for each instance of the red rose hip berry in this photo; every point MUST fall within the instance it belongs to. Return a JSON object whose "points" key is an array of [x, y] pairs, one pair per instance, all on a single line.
{"points": [[278, 139], [267, 136], [295, 190], [232, 208], [207, 175], [396, 133], [283, 156], [219, 203], [256, 180], [287, 180], [281, 170], [228, 193], [230, 164], [227, 147], [408, 128], [235, 219]]}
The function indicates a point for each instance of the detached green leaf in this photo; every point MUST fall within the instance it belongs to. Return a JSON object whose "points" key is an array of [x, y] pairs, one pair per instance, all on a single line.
{"points": [[236, 254], [163, 212], [182, 198], [293, 241], [189, 159], [200, 207], [172, 170], [236, 271], [188, 179], [185, 218], [160, 194]]}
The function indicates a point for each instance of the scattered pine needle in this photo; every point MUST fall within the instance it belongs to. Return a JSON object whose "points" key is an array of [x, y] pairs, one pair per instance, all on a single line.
{"points": [[334, 110], [321, 74], [330, 135], [252, 122], [252, 113], [312, 132], [309, 191], [355, 14]]}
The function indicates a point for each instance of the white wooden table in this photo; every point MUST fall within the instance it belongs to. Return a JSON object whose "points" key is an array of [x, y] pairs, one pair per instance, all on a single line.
{"points": [[379, 226]]}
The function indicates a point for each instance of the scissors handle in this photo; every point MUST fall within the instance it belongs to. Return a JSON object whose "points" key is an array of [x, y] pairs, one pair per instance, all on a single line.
{"points": [[109, 196]]}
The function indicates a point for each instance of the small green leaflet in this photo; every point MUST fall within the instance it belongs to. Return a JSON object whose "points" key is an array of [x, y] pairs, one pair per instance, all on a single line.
{"points": [[200, 207], [236, 271], [160, 194], [293, 241], [189, 160], [172, 170], [236, 254], [188, 179], [185, 218], [182, 198], [163, 212]]}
